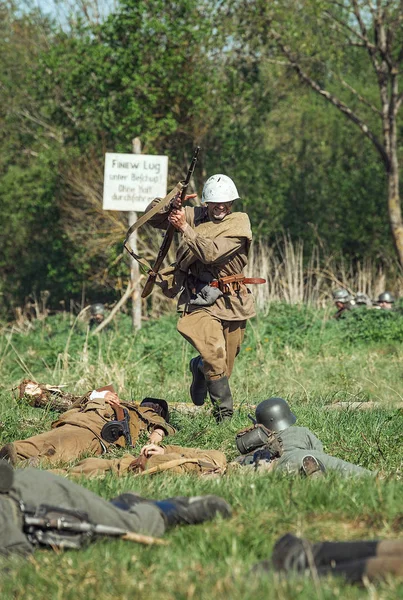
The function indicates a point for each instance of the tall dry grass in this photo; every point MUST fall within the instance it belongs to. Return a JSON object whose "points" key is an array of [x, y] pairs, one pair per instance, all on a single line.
{"points": [[294, 277]]}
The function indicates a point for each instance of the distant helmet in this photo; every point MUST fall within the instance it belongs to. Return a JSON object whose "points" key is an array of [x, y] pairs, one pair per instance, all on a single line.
{"points": [[219, 188], [341, 295], [275, 414], [97, 309], [159, 406], [362, 299], [386, 297]]}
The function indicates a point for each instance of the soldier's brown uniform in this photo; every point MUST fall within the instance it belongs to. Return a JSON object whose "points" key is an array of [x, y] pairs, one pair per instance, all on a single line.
{"points": [[78, 431], [176, 459], [210, 250]]}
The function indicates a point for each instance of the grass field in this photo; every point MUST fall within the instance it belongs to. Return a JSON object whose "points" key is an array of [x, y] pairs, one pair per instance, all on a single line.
{"points": [[295, 352]]}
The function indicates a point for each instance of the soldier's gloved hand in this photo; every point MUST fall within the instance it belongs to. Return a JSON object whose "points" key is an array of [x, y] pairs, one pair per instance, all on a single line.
{"points": [[151, 450]]}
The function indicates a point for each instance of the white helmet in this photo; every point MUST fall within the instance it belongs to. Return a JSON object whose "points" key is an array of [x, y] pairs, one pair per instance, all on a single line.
{"points": [[219, 188]]}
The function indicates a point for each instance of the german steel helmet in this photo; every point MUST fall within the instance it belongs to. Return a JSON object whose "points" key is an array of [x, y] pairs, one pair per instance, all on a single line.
{"points": [[362, 299], [97, 309], [341, 295], [386, 297], [219, 188], [275, 414]]}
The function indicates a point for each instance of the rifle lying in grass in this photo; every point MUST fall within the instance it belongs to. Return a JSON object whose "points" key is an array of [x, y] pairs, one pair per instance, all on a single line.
{"points": [[63, 528]]}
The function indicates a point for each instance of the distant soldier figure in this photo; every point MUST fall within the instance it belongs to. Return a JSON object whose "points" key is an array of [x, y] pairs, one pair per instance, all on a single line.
{"points": [[208, 274], [97, 314], [294, 449], [343, 301], [362, 300], [386, 301]]}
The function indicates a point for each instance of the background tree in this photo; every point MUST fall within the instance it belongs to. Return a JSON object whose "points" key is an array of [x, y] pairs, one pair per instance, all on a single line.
{"points": [[323, 42]]}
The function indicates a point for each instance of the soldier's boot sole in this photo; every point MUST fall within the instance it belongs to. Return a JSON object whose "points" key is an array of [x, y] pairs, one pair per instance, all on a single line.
{"points": [[198, 387], [6, 476], [312, 467], [9, 453]]}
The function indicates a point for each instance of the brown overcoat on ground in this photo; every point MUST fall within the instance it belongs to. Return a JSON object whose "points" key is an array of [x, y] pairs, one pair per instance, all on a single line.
{"points": [[176, 459]]}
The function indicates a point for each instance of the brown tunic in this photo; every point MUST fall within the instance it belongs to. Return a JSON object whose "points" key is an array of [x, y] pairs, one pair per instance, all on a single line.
{"points": [[212, 249], [78, 431]]}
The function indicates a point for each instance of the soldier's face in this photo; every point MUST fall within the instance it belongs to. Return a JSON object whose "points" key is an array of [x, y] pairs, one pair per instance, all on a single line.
{"points": [[386, 305], [219, 210]]}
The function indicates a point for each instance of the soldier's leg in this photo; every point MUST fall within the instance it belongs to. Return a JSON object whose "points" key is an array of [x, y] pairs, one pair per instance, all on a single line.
{"points": [[36, 487], [372, 569], [206, 333], [351, 560], [64, 443], [234, 333], [292, 462]]}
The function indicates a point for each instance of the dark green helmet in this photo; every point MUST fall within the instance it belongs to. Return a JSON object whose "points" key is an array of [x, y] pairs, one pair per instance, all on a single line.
{"points": [[341, 295], [275, 414], [386, 297], [97, 309]]}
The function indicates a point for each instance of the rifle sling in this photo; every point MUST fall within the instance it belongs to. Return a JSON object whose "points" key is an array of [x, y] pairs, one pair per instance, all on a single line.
{"points": [[145, 218]]}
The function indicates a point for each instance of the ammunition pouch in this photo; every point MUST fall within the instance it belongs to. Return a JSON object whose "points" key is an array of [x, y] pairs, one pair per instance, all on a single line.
{"points": [[113, 430], [258, 436]]}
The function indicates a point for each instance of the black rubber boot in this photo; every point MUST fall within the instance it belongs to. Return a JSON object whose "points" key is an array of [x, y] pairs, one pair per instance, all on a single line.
{"points": [[191, 511], [312, 467], [290, 553], [221, 398], [198, 387], [180, 510]]}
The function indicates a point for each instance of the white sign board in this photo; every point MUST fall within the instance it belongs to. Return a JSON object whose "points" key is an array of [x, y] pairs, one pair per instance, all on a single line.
{"points": [[132, 181]]}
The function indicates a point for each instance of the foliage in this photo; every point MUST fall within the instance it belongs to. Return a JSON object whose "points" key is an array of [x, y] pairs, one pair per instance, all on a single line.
{"points": [[176, 75]]}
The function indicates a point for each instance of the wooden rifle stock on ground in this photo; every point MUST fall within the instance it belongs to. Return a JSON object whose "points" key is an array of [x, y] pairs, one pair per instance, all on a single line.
{"points": [[168, 237]]}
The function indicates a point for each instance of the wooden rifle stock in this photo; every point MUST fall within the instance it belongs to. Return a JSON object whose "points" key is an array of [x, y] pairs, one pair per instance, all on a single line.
{"points": [[169, 234]]}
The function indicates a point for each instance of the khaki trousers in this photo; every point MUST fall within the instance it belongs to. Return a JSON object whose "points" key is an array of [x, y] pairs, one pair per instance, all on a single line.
{"points": [[218, 342], [64, 443]]}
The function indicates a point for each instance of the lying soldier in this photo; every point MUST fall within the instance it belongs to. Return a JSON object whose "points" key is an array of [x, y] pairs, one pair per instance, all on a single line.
{"points": [[153, 459], [94, 423], [355, 561], [274, 442], [66, 509]]}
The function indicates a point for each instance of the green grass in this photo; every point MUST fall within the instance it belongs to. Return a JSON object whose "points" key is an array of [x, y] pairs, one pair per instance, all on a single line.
{"points": [[294, 352]]}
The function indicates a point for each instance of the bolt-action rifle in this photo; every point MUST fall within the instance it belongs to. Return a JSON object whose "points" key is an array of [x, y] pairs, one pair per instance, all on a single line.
{"points": [[63, 528], [169, 234]]}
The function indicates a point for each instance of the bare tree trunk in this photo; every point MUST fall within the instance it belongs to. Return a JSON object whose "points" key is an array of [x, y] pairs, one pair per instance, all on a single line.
{"points": [[394, 207]]}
